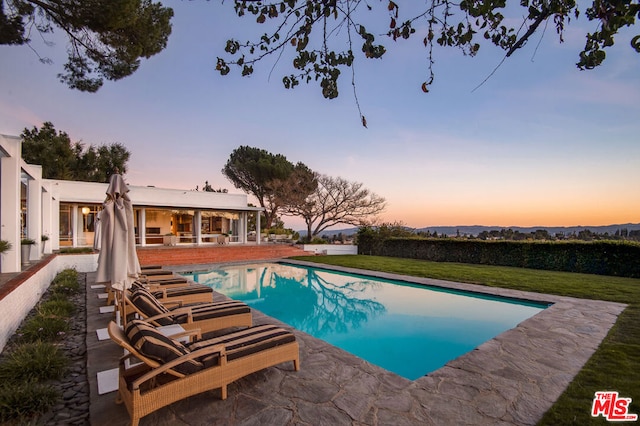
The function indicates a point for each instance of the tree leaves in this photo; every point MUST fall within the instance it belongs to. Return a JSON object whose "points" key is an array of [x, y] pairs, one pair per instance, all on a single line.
{"points": [[107, 39], [62, 159], [271, 178], [322, 33]]}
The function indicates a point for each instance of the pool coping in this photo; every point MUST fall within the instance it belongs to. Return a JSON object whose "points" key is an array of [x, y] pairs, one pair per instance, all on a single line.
{"points": [[518, 375], [513, 378]]}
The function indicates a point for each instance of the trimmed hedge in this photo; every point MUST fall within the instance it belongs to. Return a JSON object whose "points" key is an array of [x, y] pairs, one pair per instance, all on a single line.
{"points": [[598, 257]]}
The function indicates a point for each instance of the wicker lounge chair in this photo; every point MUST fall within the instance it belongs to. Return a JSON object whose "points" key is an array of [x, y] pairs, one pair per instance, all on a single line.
{"points": [[153, 274], [172, 371], [204, 316], [185, 293]]}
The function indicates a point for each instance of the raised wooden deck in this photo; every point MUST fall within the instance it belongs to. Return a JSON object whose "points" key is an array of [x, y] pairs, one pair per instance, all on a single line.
{"points": [[191, 255]]}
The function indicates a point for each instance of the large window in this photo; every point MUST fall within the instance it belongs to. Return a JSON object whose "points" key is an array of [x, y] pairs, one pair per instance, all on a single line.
{"points": [[158, 223], [23, 206], [85, 225], [217, 225], [66, 228], [183, 225]]}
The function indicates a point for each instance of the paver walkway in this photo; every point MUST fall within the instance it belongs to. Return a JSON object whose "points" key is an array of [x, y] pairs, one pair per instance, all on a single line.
{"points": [[512, 379]]}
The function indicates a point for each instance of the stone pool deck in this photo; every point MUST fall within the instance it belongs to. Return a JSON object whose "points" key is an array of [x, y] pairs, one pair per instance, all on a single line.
{"points": [[512, 379]]}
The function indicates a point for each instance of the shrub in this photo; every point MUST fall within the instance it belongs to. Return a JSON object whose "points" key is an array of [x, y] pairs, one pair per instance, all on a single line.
{"points": [[45, 328], [21, 401], [598, 257], [5, 246], [57, 306], [68, 274], [76, 250], [33, 362], [66, 282]]}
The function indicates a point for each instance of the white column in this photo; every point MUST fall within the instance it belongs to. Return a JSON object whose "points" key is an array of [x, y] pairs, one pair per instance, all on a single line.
{"points": [[47, 219], [74, 225], [258, 235], [197, 224], [10, 201], [142, 226], [34, 214], [54, 237], [242, 229]]}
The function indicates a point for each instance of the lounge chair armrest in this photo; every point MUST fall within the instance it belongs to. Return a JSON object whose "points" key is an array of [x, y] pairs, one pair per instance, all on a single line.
{"points": [[184, 310], [169, 304], [195, 332], [193, 355], [208, 350], [159, 316]]}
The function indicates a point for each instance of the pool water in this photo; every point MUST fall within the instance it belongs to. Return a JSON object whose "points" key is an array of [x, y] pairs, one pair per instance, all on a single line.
{"points": [[408, 329]]}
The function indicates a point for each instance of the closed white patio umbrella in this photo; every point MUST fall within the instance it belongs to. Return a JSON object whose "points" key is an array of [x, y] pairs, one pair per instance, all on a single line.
{"points": [[118, 261]]}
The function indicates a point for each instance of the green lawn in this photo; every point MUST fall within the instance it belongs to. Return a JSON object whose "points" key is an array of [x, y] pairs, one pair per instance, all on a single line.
{"points": [[616, 364]]}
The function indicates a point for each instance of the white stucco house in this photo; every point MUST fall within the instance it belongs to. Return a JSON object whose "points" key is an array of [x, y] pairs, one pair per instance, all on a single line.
{"points": [[65, 211]]}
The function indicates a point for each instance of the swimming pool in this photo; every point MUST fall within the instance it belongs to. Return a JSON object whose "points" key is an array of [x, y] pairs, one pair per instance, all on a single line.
{"points": [[405, 328]]}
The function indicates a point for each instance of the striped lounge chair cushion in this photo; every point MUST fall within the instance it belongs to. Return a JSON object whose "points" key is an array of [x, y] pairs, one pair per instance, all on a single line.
{"points": [[171, 281], [158, 347], [184, 291], [206, 311], [156, 272], [150, 306], [245, 342]]}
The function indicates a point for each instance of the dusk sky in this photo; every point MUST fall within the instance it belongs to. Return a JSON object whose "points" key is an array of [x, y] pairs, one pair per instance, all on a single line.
{"points": [[539, 144]]}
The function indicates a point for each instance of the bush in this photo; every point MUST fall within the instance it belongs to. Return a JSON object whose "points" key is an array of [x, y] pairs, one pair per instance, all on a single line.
{"points": [[33, 362], [44, 328], [598, 257], [20, 401]]}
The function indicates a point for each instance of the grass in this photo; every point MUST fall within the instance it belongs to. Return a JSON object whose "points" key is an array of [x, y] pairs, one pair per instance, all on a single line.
{"points": [[614, 366], [43, 327], [66, 282], [57, 307], [37, 361], [30, 365], [19, 402]]}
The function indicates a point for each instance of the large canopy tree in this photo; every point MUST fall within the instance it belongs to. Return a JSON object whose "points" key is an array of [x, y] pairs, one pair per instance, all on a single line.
{"points": [[324, 36], [271, 178], [336, 201], [107, 38], [62, 159]]}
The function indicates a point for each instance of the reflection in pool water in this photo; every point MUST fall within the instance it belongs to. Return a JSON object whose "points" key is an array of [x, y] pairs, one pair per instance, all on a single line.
{"points": [[408, 329]]}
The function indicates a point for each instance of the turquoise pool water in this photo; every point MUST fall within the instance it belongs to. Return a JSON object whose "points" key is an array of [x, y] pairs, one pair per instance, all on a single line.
{"points": [[408, 329]]}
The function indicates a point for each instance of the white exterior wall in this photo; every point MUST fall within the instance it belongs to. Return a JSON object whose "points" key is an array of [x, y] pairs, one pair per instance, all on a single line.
{"points": [[16, 305], [91, 192], [330, 248], [10, 150]]}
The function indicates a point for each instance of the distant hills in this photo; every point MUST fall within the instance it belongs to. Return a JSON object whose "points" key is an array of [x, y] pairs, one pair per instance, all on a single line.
{"points": [[474, 230]]}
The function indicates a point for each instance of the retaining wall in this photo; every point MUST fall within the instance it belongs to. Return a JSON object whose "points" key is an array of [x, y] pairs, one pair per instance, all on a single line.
{"points": [[22, 293]]}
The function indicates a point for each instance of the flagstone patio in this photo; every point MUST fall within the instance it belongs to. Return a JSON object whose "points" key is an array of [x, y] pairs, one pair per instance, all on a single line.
{"points": [[512, 379]]}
